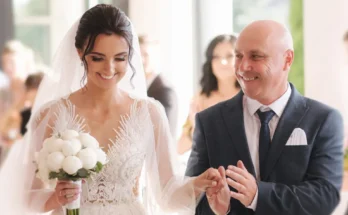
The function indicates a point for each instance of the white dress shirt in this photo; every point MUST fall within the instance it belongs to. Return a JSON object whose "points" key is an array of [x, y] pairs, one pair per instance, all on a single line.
{"points": [[252, 127]]}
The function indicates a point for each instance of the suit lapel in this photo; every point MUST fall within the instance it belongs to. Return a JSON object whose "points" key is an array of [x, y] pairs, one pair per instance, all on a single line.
{"points": [[232, 114], [293, 113]]}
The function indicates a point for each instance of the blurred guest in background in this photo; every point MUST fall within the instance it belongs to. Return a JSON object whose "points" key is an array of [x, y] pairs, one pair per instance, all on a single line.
{"points": [[18, 63], [218, 83], [32, 85], [157, 86], [13, 122]]}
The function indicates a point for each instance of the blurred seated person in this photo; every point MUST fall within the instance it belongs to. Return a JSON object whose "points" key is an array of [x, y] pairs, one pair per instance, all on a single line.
{"points": [[18, 63], [13, 122], [157, 86], [218, 84], [32, 85]]}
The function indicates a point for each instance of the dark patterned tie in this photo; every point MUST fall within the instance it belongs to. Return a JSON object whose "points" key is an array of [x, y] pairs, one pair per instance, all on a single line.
{"points": [[265, 138]]}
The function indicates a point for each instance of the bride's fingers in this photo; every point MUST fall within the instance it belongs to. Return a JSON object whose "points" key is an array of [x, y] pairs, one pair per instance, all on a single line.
{"points": [[203, 184], [67, 198], [209, 178], [212, 173]]}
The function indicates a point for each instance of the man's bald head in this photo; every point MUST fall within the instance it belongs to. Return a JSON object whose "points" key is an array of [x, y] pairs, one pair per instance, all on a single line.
{"points": [[271, 32], [264, 54]]}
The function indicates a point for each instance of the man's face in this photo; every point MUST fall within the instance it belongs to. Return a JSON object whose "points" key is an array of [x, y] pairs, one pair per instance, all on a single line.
{"points": [[260, 66]]}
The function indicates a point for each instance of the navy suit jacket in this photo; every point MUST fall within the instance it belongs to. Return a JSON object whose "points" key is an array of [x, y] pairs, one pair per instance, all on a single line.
{"points": [[299, 180]]}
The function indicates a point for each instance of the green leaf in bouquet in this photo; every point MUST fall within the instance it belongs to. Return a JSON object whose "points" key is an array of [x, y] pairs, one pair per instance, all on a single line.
{"points": [[83, 173], [61, 175], [98, 167]]}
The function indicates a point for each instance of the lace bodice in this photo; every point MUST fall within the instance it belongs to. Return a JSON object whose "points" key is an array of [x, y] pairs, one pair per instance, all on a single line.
{"points": [[117, 183]]}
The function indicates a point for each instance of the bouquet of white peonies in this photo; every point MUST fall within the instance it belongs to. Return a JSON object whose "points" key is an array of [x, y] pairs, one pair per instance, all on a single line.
{"points": [[70, 156]]}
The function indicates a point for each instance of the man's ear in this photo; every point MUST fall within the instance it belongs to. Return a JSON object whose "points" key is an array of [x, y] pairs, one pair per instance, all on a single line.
{"points": [[289, 59]]}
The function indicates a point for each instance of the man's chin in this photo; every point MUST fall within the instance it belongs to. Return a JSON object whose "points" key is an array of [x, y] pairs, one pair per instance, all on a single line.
{"points": [[251, 93]]}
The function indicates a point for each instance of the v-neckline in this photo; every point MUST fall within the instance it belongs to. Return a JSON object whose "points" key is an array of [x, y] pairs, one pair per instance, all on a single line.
{"points": [[124, 118]]}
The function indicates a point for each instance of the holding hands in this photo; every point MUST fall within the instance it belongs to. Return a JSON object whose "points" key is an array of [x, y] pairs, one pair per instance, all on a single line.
{"points": [[244, 182], [216, 182]]}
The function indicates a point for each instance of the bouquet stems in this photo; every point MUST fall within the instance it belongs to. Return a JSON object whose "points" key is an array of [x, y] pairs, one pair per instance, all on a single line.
{"points": [[73, 211], [73, 208]]}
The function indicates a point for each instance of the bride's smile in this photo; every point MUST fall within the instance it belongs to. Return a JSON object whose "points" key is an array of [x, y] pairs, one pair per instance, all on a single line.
{"points": [[106, 63]]}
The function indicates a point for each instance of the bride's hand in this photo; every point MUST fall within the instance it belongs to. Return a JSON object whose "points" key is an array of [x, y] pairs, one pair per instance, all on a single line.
{"points": [[66, 192], [208, 179]]}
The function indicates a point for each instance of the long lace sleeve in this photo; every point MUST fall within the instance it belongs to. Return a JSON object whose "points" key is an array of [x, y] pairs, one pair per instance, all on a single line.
{"points": [[165, 187], [22, 192]]}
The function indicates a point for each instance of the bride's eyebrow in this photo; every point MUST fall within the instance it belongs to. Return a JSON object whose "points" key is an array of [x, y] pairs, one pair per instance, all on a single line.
{"points": [[101, 54]]}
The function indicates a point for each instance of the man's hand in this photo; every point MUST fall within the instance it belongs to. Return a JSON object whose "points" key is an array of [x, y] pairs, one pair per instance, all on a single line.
{"points": [[219, 196], [244, 182]]}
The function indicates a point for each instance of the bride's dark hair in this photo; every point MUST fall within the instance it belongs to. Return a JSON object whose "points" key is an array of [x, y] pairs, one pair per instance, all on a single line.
{"points": [[102, 19]]}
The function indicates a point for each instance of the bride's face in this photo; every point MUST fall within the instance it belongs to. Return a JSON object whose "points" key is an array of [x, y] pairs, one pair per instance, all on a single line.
{"points": [[107, 62]]}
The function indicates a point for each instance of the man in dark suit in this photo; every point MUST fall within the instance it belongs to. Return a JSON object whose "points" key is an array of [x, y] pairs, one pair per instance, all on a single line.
{"points": [[282, 152], [158, 87]]}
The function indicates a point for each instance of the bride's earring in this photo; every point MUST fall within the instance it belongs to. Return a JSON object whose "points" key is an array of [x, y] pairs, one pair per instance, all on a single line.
{"points": [[81, 63]]}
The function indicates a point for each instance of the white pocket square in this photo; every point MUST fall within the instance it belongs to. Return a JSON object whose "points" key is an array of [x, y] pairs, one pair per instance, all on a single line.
{"points": [[297, 138]]}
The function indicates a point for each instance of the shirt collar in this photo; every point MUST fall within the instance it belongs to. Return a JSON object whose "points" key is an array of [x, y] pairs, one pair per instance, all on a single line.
{"points": [[277, 106]]}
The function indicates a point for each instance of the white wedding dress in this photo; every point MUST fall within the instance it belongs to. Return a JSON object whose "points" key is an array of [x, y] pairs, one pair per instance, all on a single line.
{"points": [[116, 189], [140, 147], [113, 191]]}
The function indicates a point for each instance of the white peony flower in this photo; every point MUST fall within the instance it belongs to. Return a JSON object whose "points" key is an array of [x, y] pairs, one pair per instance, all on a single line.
{"points": [[72, 164], [88, 158], [69, 134], [101, 156], [43, 173], [71, 147], [41, 156], [88, 141], [54, 161], [55, 146], [48, 142]]}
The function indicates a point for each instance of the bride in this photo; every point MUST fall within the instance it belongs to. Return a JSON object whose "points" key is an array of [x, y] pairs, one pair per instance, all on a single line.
{"points": [[97, 78]]}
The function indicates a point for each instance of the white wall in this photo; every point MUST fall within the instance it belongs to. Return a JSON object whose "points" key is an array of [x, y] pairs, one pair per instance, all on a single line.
{"points": [[215, 17], [325, 76]]}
